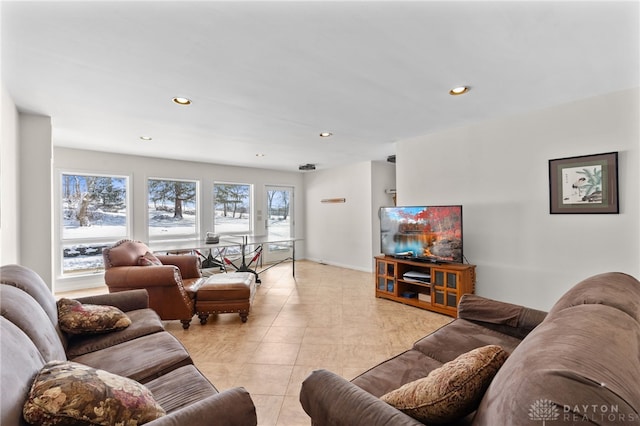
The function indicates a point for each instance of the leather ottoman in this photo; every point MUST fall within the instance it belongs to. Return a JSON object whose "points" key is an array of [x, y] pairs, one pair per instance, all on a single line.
{"points": [[224, 293]]}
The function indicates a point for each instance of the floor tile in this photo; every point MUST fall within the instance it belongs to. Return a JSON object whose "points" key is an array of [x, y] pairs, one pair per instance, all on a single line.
{"points": [[265, 379], [323, 335], [276, 353], [292, 414], [267, 408], [284, 334], [319, 354]]}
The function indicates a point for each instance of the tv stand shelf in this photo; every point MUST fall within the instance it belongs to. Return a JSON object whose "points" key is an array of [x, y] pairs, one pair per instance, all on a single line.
{"points": [[436, 287]]}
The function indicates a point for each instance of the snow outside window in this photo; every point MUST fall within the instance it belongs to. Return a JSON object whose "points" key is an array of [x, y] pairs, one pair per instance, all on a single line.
{"points": [[94, 215], [232, 208], [172, 209]]}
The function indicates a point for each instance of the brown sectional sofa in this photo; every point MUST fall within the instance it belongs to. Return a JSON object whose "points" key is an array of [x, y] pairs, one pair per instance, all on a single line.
{"points": [[31, 336], [580, 363]]}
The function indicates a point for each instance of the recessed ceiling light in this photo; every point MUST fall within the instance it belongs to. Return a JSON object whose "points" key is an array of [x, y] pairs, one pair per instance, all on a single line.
{"points": [[460, 90], [259, 154], [146, 138], [181, 101], [325, 134]]}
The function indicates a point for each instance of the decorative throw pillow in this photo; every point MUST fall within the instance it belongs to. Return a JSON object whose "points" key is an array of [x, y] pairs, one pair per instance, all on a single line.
{"points": [[149, 259], [76, 318], [451, 391], [69, 393]]}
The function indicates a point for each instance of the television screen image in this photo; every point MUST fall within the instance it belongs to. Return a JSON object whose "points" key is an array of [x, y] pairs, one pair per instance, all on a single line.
{"points": [[431, 233]]}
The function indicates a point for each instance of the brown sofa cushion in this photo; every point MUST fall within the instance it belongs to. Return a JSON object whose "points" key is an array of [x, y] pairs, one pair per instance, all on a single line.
{"points": [[77, 318], [143, 323], [615, 289], [192, 386], [23, 311], [30, 282], [20, 361], [65, 392], [515, 320], [461, 336], [451, 391], [149, 259], [583, 356], [477, 308], [401, 369], [162, 353]]}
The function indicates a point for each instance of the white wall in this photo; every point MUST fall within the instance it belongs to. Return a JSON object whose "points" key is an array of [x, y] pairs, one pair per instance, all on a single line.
{"points": [[498, 171], [34, 159], [9, 201], [141, 168], [383, 178], [341, 234], [25, 188]]}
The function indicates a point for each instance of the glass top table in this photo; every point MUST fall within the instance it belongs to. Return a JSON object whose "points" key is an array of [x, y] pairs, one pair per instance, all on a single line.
{"points": [[227, 241]]}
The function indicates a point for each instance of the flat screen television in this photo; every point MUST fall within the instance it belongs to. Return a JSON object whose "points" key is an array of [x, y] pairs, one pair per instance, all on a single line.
{"points": [[428, 233]]}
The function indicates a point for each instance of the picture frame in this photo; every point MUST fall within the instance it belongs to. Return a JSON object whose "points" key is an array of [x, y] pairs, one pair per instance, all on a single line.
{"points": [[584, 184]]}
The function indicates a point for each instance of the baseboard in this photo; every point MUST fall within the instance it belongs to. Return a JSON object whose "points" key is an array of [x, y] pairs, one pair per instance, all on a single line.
{"points": [[340, 265]]}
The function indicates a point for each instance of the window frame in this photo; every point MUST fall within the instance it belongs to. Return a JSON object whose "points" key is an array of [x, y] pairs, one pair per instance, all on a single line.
{"points": [[177, 237], [61, 242], [250, 208]]}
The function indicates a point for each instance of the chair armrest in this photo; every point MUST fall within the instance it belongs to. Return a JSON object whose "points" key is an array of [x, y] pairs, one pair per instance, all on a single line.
{"points": [[515, 320], [129, 300], [232, 407], [189, 265], [332, 400], [128, 277]]}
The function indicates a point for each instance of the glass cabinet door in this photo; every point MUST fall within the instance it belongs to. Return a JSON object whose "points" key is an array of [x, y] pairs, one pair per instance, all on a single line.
{"points": [[438, 278], [452, 280], [381, 283], [385, 276], [446, 288]]}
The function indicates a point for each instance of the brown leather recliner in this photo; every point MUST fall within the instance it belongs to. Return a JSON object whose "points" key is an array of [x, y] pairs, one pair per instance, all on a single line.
{"points": [[172, 286]]}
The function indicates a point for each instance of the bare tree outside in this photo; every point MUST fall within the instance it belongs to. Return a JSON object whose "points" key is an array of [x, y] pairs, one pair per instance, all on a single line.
{"points": [[94, 214], [86, 199], [172, 208], [232, 208], [278, 204], [279, 216]]}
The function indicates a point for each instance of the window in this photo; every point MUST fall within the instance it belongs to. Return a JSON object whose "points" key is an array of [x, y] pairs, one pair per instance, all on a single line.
{"points": [[172, 208], [279, 220], [94, 216], [232, 208]]}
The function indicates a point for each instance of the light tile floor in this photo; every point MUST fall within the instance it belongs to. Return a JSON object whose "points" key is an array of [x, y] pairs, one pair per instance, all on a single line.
{"points": [[326, 317]]}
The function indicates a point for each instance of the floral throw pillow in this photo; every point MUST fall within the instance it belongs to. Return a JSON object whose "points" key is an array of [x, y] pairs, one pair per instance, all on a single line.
{"points": [[452, 391], [68, 393], [149, 259], [77, 318]]}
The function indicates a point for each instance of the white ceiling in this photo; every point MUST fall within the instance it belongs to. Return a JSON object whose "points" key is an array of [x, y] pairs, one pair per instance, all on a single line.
{"points": [[268, 77]]}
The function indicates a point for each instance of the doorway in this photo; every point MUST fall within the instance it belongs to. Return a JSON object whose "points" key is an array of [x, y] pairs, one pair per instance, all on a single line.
{"points": [[279, 222]]}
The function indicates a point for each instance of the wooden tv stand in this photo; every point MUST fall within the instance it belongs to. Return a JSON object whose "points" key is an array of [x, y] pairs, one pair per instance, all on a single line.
{"points": [[439, 293]]}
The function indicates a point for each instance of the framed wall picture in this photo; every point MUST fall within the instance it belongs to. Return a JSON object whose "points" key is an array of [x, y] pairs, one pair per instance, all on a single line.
{"points": [[585, 184]]}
